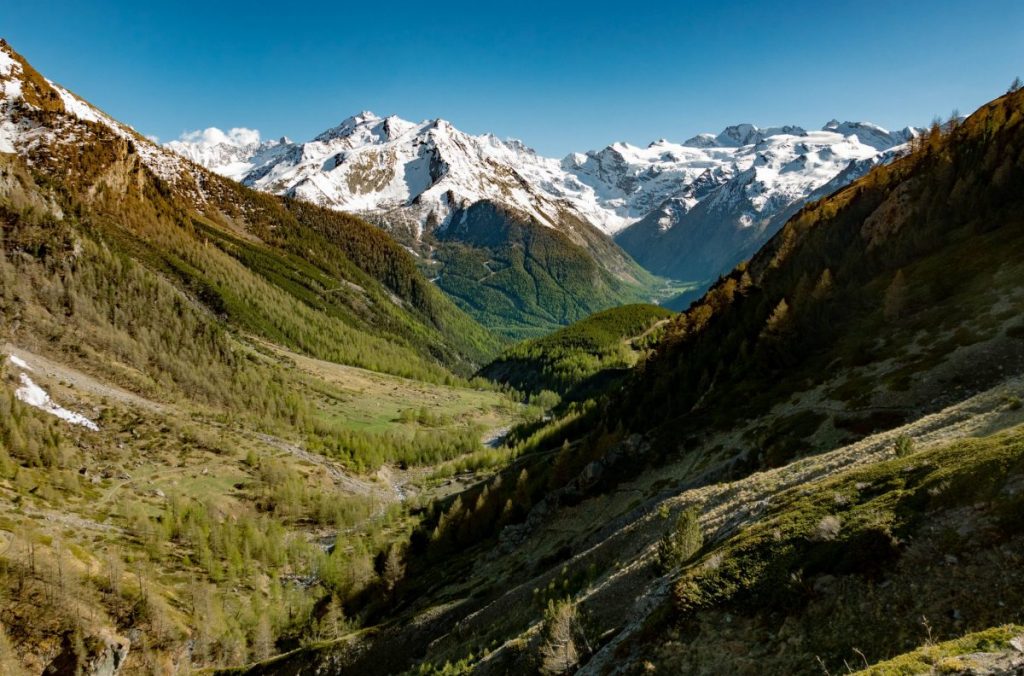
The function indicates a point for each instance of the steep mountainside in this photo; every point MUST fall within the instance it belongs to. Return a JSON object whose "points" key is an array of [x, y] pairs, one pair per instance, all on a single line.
{"points": [[311, 278], [522, 279], [820, 465]]}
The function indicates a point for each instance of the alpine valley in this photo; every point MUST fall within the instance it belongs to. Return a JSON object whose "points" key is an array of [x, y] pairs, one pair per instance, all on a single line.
{"points": [[405, 400]]}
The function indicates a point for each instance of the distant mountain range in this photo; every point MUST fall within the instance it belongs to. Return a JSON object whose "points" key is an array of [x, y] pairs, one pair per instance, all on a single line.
{"points": [[688, 211]]}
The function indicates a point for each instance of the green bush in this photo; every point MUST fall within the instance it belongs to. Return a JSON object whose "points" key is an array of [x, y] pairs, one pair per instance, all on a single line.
{"points": [[903, 446], [680, 544]]}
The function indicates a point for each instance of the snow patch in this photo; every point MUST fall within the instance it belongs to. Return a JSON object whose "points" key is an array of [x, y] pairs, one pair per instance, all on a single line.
{"points": [[8, 134], [82, 110], [19, 362], [9, 71], [35, 396]]}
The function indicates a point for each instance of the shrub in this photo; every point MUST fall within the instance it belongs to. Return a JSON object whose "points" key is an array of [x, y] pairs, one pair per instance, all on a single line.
{"points": [[827, 529], [903, 446], [680, 544], [564, 640]]}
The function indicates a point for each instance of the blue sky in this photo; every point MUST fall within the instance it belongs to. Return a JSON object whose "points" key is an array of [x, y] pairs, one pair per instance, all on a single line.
{"points": [[561, 76]]}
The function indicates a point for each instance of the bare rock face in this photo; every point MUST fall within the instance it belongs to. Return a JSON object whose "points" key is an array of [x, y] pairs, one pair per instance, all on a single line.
{"points": [[92, 656]]}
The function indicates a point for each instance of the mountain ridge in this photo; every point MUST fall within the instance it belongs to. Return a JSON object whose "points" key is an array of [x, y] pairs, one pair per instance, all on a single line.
{"points": [[413, 177], [367, 128]]}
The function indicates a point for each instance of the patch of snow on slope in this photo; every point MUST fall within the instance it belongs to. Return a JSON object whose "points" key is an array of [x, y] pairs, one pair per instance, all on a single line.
{"points": [[35, 396], [10, 91], [19, 362], [9, 69]]}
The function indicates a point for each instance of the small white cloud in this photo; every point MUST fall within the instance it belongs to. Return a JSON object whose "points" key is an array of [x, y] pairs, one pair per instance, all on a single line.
{"points": [[212, 136], [154, 138]]}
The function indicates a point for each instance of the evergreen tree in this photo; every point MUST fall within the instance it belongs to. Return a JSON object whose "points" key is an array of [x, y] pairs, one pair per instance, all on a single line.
{"points": [[895, 301]]}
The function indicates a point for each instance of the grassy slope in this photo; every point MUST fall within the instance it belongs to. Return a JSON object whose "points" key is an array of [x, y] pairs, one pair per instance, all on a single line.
{"points": [[564, 361], [769, 571], [87, 529], [958, 655], [857, 561]]}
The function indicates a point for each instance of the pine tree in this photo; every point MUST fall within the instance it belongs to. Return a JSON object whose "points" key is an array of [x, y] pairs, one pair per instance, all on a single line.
{"points": [[777, 320], [394, 569], [333, 624], [824, 285], [263, 639], [894, 303]]}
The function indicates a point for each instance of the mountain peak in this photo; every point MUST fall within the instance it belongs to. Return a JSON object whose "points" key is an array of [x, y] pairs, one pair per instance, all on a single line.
{"points": [[870, 134], [347, 126], [742, 134], [363, 116], [704, 140]]}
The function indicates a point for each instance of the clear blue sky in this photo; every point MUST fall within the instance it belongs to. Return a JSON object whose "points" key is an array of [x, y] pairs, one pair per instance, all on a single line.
{"points": [[560, 76]]}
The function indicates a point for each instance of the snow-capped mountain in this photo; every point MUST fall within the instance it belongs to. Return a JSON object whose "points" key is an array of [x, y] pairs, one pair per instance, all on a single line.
{"points": [[424, 173], [421, 171], [726, 216]]}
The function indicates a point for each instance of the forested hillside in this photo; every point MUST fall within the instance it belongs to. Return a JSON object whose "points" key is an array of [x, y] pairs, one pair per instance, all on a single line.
{"points": [[576, 362], [220, 409], [319, 281]]}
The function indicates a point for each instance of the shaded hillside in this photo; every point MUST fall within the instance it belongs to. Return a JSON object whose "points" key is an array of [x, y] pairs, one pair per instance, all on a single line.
{"points": [[860, 280], [523, 279], [582, 358]]}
